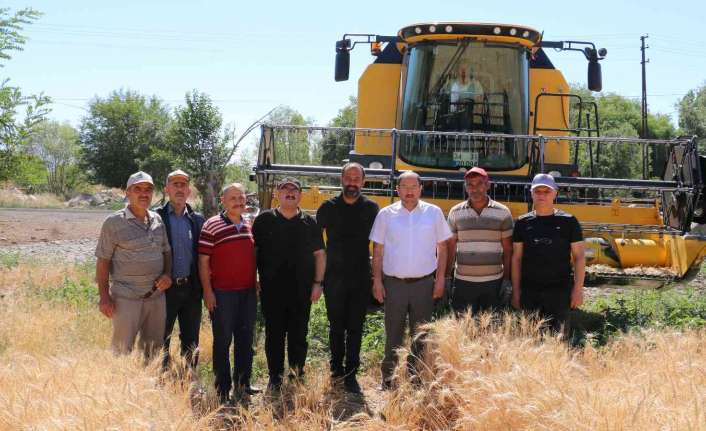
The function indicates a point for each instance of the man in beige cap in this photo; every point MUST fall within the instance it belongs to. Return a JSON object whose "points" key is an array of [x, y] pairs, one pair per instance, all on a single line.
{"points": [[183, 226], [133, 269]]}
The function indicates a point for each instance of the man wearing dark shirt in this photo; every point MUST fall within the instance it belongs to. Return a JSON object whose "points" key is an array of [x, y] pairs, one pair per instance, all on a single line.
{"points": [[183, 226], [347, 220], [544, 242], [291, 263]]}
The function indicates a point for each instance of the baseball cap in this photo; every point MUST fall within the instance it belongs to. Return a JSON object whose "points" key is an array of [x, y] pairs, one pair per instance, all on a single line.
{"points": [[289, 180], [139, 177], [178, 173], [476, 171], [544, 180]]}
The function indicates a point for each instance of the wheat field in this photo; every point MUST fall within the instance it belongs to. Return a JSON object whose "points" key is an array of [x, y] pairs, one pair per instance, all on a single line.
{"points": [[56, 372]]}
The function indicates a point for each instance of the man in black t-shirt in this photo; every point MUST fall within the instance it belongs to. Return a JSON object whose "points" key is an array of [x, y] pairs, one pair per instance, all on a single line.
{"points": [[544, 242], [347, 219], [291, 263]]}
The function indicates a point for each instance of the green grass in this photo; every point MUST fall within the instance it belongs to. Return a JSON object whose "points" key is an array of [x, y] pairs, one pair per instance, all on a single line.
{"points": [[605, 318], [9, 259]]}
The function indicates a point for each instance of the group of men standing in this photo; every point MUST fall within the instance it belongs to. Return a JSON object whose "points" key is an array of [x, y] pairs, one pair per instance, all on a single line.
{"points": [[154, 267]]}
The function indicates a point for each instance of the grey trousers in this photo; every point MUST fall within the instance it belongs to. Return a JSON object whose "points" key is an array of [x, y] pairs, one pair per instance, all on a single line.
{"points": [[146, 317], [404, 299]]}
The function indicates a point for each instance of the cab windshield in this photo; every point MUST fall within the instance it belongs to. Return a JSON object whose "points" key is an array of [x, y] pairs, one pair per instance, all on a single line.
{"points": [[465, 86]]}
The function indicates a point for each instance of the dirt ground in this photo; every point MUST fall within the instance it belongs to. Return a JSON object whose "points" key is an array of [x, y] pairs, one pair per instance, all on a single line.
{"points": [[23, 226]]}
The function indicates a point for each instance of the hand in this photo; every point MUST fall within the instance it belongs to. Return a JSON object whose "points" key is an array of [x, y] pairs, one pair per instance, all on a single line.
{"points": [[316, 290], [107, 307], [515, 301], [163, 283], [379, 291], [438, 291], [209, 300], [576, 297]]}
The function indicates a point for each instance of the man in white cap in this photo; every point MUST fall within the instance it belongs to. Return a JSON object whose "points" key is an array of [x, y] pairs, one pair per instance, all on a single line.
{"points": [[544, 242], [133, 269], [183, 226]]}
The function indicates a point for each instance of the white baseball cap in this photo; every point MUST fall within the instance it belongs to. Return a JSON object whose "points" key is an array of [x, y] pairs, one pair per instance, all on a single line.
{"points": [[139, 177], [544, 180]]}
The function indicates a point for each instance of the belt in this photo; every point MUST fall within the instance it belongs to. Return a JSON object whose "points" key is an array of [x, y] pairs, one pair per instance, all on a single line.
{"points": [[180, 281], [410, 279]]}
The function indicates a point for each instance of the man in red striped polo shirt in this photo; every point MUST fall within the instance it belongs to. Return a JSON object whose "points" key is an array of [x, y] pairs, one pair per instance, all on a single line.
{"points": [[227, 272]]}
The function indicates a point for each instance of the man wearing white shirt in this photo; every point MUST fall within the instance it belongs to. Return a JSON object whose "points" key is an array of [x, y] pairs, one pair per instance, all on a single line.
{"points": [[409, 250]]}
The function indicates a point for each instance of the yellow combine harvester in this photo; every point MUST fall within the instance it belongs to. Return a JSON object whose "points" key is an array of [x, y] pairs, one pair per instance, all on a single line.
{"points": [[442, 97]]}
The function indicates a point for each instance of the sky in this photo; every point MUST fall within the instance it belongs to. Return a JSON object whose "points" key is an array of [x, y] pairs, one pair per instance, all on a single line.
{"points": [[250, 56]]}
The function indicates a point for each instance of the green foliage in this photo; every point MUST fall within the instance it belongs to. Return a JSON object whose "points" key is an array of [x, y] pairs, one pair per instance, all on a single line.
{"points": [[692, 112], [9, 259], [336, 147], [29, 173], [119, 135], [57, 146], [620, 117], [14, 129], [292, 147], [607, 317], [202, 145]]}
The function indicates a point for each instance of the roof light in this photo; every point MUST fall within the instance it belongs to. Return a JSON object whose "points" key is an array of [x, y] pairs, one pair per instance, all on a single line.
{"points": [[449, 29], [525, 34], [496, 30], [432, 29], [513, 31], [375, 165], [417, 30]]}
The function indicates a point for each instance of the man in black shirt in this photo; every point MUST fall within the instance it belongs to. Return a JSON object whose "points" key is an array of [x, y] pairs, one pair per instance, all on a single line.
{"points": [[347, 219], [291, 263], [544, 242]]}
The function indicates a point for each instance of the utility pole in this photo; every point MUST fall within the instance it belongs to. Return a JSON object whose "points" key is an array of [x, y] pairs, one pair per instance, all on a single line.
{"points": [[644, 132]]}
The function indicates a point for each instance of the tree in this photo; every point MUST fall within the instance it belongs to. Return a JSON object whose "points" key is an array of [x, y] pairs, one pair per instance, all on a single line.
{"points": [[121, 134], [337, 146], [293, 146], [692, 112], [57, 146], [621, 117], [13, 128], [203, 146]]}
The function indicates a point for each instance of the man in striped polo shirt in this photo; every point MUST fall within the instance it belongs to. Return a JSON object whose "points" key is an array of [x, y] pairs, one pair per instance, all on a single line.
{"points": [[227, 272], [481, 246]]}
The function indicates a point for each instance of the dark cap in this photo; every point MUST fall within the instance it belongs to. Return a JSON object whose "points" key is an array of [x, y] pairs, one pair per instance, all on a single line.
{"points": [[476, 171], [289, 180]]}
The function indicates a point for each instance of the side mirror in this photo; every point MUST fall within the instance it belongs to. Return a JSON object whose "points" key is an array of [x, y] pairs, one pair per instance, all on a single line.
{"points": [[595, 81], [343, 60]]}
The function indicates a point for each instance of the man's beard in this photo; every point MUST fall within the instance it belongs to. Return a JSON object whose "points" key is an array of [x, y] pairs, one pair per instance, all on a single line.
{"points": [[351, 191]]}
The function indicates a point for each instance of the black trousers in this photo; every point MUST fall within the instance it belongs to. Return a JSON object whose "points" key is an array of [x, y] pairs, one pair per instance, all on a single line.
{"points": [[552, 301], [286, 318], [476, 296], [347, 300], [184, 304], [233, 319]]}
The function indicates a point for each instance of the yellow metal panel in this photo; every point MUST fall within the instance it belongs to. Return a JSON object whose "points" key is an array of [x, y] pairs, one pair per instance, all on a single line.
{"points": [[553, 111], [378, 95]]}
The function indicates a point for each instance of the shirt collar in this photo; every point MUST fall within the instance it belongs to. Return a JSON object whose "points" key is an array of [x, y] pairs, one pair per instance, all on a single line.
{"points": [[129, 215]]}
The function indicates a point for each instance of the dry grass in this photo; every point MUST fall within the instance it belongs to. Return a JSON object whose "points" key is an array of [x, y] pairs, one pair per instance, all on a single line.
{"points": [[11, 199], [57, 373]]}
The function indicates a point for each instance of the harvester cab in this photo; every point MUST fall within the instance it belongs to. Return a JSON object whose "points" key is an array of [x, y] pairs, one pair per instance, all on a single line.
{"points": [[440, 98]]}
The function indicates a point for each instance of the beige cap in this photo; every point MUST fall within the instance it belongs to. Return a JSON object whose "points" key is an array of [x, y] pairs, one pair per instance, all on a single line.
{"points": [[139, 177], [178, 173]]}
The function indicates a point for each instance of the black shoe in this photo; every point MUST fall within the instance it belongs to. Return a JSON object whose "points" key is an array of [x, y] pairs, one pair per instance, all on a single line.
{"points": [[338, 373], [386, 385], [351, 384]]}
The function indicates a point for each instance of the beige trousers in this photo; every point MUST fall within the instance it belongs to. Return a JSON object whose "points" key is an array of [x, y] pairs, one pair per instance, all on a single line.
{"points": [[146, 317]]}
